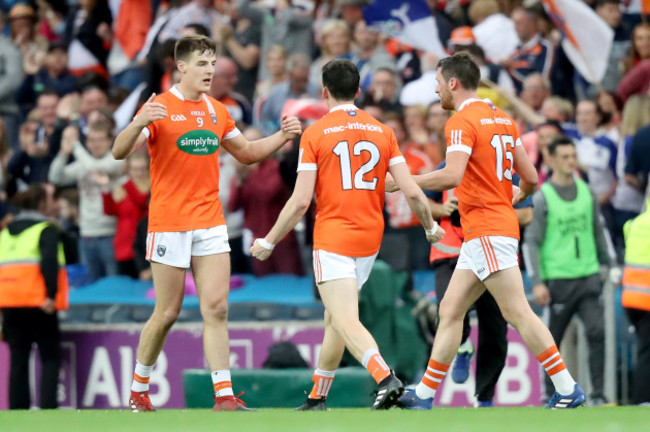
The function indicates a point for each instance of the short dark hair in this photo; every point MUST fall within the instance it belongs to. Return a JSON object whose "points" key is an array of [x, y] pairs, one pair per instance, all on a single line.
{"points": [[198, 29], [30, 199], [562, 140], [47, 91], [551, 123], [463, 68], [472, 49], [187, 45], [341, 78], [601, 3], [394, 116]]}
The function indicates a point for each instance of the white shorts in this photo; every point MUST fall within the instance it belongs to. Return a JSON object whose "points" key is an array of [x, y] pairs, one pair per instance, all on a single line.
{"points": [[489, 254], [176, 249], [330, 266]]}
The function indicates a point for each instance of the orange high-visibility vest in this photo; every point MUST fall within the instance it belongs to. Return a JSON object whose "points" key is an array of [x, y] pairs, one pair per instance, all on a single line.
{"points": [[21, 280], [636, 274], [449, 246]]}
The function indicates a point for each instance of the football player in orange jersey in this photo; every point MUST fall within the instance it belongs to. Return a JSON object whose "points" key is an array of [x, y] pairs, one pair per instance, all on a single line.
{"points": [[344, 157], [483, 150], [184, 129]]}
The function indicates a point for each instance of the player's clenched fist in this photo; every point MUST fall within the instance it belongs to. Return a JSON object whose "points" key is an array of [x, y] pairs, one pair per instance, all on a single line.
{"points": [[518, 196], [435, 234], [291, 127], [261, 249], [151, 111]]}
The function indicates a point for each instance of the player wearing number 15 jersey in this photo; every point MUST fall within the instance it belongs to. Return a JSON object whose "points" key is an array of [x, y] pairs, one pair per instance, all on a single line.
{"points": [[344, 157], [483, 149]]}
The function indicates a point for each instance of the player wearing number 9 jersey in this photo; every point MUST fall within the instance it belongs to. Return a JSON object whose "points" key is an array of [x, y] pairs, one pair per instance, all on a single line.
{"points": [[344, 157], [483, 149], [185, 129]]}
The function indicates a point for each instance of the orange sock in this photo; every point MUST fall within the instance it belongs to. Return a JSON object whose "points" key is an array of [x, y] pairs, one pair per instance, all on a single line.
{"points": [[144, 381], [141, 377], [221, 383], [322, 380], [376, 365], [434, 375], [551, 361]]}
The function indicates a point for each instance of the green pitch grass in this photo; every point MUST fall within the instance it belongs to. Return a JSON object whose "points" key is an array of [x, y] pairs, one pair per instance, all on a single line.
{"points": [[610, 419]]}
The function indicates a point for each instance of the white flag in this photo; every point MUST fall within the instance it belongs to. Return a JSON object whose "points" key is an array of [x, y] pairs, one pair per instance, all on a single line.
{"points": [[408, 21], [586, 38]]}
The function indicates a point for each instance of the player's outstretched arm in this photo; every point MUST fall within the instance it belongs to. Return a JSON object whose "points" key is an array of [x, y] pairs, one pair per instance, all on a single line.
{"points": [[131, 137], [290, 215], [417, 201], [447, 178], [527, 173], [250, 152]]}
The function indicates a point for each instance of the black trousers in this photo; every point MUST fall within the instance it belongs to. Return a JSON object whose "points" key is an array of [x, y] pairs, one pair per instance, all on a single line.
{"points": [[581, 296], [492, 333], [641, 321], [23, 327], [239, 262]]}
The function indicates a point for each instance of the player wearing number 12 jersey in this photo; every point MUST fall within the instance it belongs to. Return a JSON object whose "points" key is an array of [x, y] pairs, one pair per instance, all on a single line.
{"points": [[483, 149], [344, 157]]}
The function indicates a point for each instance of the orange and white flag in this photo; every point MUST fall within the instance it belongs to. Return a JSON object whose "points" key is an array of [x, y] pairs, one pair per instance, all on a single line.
{"points": [[633, 7], [586, 38]]}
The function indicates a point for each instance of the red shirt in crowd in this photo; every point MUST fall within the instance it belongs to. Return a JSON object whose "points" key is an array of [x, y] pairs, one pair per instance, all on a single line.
{"points": [[129, 212]]}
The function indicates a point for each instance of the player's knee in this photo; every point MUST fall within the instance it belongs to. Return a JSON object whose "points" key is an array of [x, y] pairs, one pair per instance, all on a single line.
{"points": [[514, 316], [167, 317], [215, 311], [343, 324], [449, 312]]}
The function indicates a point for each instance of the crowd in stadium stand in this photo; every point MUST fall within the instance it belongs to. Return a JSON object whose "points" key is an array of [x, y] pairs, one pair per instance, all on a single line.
{"points": [[72, 74]]}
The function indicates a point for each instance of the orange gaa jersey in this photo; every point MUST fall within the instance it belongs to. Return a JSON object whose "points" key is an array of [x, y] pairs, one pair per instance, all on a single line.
{"points": [[489, 136], [185, 163], [351, 151], [400, 214]]}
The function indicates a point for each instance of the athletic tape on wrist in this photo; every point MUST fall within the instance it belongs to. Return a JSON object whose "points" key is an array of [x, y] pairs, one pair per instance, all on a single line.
{"points": [[433, 230], [265, 244]]}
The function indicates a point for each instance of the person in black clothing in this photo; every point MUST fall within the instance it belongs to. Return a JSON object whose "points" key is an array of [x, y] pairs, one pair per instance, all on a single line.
{"points": [[638, 162], [29, 314]]}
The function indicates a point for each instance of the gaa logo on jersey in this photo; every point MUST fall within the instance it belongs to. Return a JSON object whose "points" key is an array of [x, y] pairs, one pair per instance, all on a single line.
{"points": [[161, 250], [351, 113], [198, 142]]}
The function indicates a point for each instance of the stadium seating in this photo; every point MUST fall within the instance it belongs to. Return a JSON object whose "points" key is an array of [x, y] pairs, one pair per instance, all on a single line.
{"points": [[123, 300]]}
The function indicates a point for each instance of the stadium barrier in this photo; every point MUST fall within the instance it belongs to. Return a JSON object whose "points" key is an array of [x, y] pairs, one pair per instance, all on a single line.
{"points": [[281, 388]]}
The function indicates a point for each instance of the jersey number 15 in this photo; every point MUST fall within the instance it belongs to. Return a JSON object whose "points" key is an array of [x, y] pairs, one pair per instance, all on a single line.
{"points": [[504, 144]]}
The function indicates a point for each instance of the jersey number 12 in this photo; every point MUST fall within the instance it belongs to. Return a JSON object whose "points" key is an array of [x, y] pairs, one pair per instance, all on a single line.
{"points": [[342, 150]]}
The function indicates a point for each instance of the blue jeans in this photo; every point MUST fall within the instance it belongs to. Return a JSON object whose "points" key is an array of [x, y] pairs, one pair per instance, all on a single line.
{"points": [[97, 255], [12, 128], [620, 218]]}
